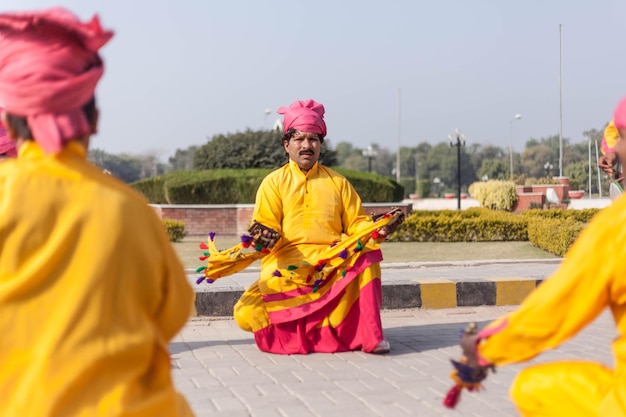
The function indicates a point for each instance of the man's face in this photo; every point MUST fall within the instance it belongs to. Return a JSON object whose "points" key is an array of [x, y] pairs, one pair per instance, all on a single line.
{"points": [[304, 149]]}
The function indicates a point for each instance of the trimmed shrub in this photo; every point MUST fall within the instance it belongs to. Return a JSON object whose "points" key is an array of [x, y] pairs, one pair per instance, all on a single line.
{"points": [[175, 229], [583, 216], [553, 234], [494, 194], [476, 225]]}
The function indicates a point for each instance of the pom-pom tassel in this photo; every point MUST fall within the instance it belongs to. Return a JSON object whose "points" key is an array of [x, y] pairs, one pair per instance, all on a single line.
{"points": [[453, 396], [246, 241], [203, 246]]}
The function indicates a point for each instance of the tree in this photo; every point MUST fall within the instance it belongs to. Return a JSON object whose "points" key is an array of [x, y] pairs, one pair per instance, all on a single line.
{"points": [[183, 159], [249, 149], [534, 159], [494, 169], [344, 150], [125, 167], [441, 162]]}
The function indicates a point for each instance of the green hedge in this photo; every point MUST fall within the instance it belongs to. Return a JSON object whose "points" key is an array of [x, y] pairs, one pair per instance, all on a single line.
{"points": [[553, 234], [474, 225], [583, 216], [234, 186], [551, 230]]}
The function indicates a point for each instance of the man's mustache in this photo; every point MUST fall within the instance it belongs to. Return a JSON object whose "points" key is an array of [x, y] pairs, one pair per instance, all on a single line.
{"points": [[305, 152]]}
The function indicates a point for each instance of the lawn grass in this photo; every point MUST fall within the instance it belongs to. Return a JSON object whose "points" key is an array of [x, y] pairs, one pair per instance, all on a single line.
{"points": [[188, 251]]}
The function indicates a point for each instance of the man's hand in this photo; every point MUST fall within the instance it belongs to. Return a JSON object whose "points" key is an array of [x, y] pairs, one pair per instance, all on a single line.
{"points": [[607, 162], [263, 236], [468, 345], [392, 226], [469, 370]]}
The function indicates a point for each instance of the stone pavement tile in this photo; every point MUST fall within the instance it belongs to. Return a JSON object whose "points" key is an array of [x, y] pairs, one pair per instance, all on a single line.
{"points": [[238, 380]]}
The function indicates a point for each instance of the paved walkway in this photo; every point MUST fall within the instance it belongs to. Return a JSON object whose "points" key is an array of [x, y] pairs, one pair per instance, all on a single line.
{"points": [[219, 369]]}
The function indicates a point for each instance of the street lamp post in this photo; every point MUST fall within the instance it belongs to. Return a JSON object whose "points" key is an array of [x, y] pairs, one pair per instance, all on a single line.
{"points": [[437, 182], [369, 153], [516, 117], [457, 141], [548, 167]]}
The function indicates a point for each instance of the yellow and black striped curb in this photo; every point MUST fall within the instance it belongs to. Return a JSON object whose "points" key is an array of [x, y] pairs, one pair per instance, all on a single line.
{"points": [[422, 293]]}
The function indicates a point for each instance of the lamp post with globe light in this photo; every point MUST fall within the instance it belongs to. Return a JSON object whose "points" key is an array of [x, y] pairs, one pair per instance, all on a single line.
{"points": [[369, 153], [516, 117]]}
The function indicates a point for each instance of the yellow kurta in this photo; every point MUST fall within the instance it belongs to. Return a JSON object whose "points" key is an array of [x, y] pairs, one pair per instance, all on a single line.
{"points": [[311, 212], [91, 293], [591, 278]]}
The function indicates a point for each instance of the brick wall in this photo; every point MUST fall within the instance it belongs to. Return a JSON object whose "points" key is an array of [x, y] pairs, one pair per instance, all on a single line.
{"points": [[234, 219]]}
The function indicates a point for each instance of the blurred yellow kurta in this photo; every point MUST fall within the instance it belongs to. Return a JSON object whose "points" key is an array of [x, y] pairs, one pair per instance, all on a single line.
{"points": [[91, 293], [592, 277]]}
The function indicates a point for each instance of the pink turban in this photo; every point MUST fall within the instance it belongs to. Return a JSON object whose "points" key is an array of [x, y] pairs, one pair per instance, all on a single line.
{"points": [[306, 116], [7, 146], [620, 115], [49, 68]]}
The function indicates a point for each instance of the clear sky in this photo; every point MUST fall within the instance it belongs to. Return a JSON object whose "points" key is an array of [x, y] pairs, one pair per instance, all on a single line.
{"points": [[180, 71]]}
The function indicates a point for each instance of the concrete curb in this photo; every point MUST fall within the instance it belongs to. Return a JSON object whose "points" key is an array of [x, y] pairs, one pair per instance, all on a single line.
{"points": [[430, 285]]}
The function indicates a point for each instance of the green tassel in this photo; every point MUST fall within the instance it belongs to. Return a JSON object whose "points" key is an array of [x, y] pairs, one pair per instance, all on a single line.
{"points": [[258, 247], [291, 267], [200, 268], [359, 245]]}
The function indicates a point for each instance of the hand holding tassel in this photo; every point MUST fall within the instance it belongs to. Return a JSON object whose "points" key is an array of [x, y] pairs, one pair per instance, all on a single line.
{"points": [[467, 372]]}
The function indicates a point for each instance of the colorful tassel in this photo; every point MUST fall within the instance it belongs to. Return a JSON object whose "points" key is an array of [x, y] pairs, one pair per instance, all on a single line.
{"points": [[199, 280], [291, 268], [453, 396], [375, 234], [344, 254], [246, 240], [203, 246], [277, 273], [359, 246], [212, 236], [200, 268]]}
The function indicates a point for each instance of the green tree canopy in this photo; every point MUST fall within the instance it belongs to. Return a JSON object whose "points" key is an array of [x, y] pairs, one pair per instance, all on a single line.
{"points": [[249, 149]]}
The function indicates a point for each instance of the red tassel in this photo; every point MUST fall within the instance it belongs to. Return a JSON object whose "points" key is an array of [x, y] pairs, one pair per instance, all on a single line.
{"points": [[203, 245], [453, 396]]}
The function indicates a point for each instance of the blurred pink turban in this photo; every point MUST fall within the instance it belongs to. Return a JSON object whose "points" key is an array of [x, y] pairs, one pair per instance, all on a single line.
{"points": [[7, 146], [620, 115], [49, 68], [304, 115]]}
